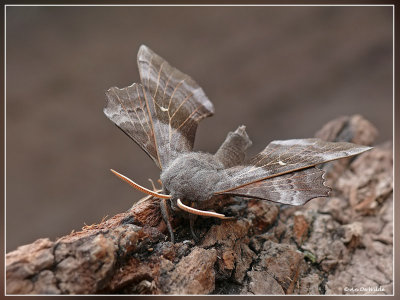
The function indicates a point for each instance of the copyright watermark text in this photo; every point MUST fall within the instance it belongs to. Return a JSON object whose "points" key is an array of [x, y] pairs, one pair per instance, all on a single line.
{"points": [[364, 289]]}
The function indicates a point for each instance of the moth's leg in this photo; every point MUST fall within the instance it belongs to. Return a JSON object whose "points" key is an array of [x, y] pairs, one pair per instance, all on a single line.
{"points": [[152, 184], [192, 219], [232, 150], [165, 215], [157, 190]]}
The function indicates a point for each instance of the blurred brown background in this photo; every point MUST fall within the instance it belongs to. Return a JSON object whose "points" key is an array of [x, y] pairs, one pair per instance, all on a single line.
{"points": [[282, 71]]}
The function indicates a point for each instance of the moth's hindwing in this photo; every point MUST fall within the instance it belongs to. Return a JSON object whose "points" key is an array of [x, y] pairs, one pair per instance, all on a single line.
{"points": [[128, 110], [294, 188], [291, 160]]}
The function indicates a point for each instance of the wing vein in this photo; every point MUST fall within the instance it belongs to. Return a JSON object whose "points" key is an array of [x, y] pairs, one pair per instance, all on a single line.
{"points": [[173, 92], [188, 118], [148, 73], [180, 105], [140, 121], [167, 84], [152, 126], [158, 79]]}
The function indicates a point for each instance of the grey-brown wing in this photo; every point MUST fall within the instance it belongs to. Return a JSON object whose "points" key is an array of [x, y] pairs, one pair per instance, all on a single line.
{"points": [[282, 157], [294, 188], [176, 104], [128, 110]]}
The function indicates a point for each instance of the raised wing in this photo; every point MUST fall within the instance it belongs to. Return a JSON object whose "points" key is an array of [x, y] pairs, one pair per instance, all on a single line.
{"points": [[161, 114], [128, 110], [175, 103], [283, 157], [294, 188]]}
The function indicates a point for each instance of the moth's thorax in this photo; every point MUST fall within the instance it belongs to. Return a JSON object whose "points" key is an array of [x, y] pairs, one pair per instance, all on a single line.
{"points": [[192, 176]]}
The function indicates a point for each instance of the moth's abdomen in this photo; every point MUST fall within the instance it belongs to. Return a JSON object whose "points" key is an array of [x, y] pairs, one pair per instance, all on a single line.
{"points": [[192, 176], [233, 150]]}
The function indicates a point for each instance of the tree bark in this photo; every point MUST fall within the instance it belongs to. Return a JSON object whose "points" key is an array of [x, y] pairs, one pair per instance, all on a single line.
{"points": [[328, 246]]}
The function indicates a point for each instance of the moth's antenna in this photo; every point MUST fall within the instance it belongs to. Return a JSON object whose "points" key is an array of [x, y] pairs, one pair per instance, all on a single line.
{"points": [[139, 187], [200, 212]]}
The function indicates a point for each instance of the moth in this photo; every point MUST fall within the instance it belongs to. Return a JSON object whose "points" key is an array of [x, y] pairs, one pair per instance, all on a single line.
{"points": [[161, 115]]}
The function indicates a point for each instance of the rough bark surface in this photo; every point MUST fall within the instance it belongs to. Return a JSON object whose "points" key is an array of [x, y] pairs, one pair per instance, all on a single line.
{"points": [[337, 245]]}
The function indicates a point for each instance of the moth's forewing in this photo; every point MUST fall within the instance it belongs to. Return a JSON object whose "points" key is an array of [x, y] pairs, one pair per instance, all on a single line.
{"points": [[176, 104], [127, 109], [294, 188], [282, 157]]}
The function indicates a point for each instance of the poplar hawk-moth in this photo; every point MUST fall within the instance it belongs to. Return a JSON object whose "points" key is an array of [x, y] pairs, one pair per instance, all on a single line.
{"points": [[161, 115]]}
